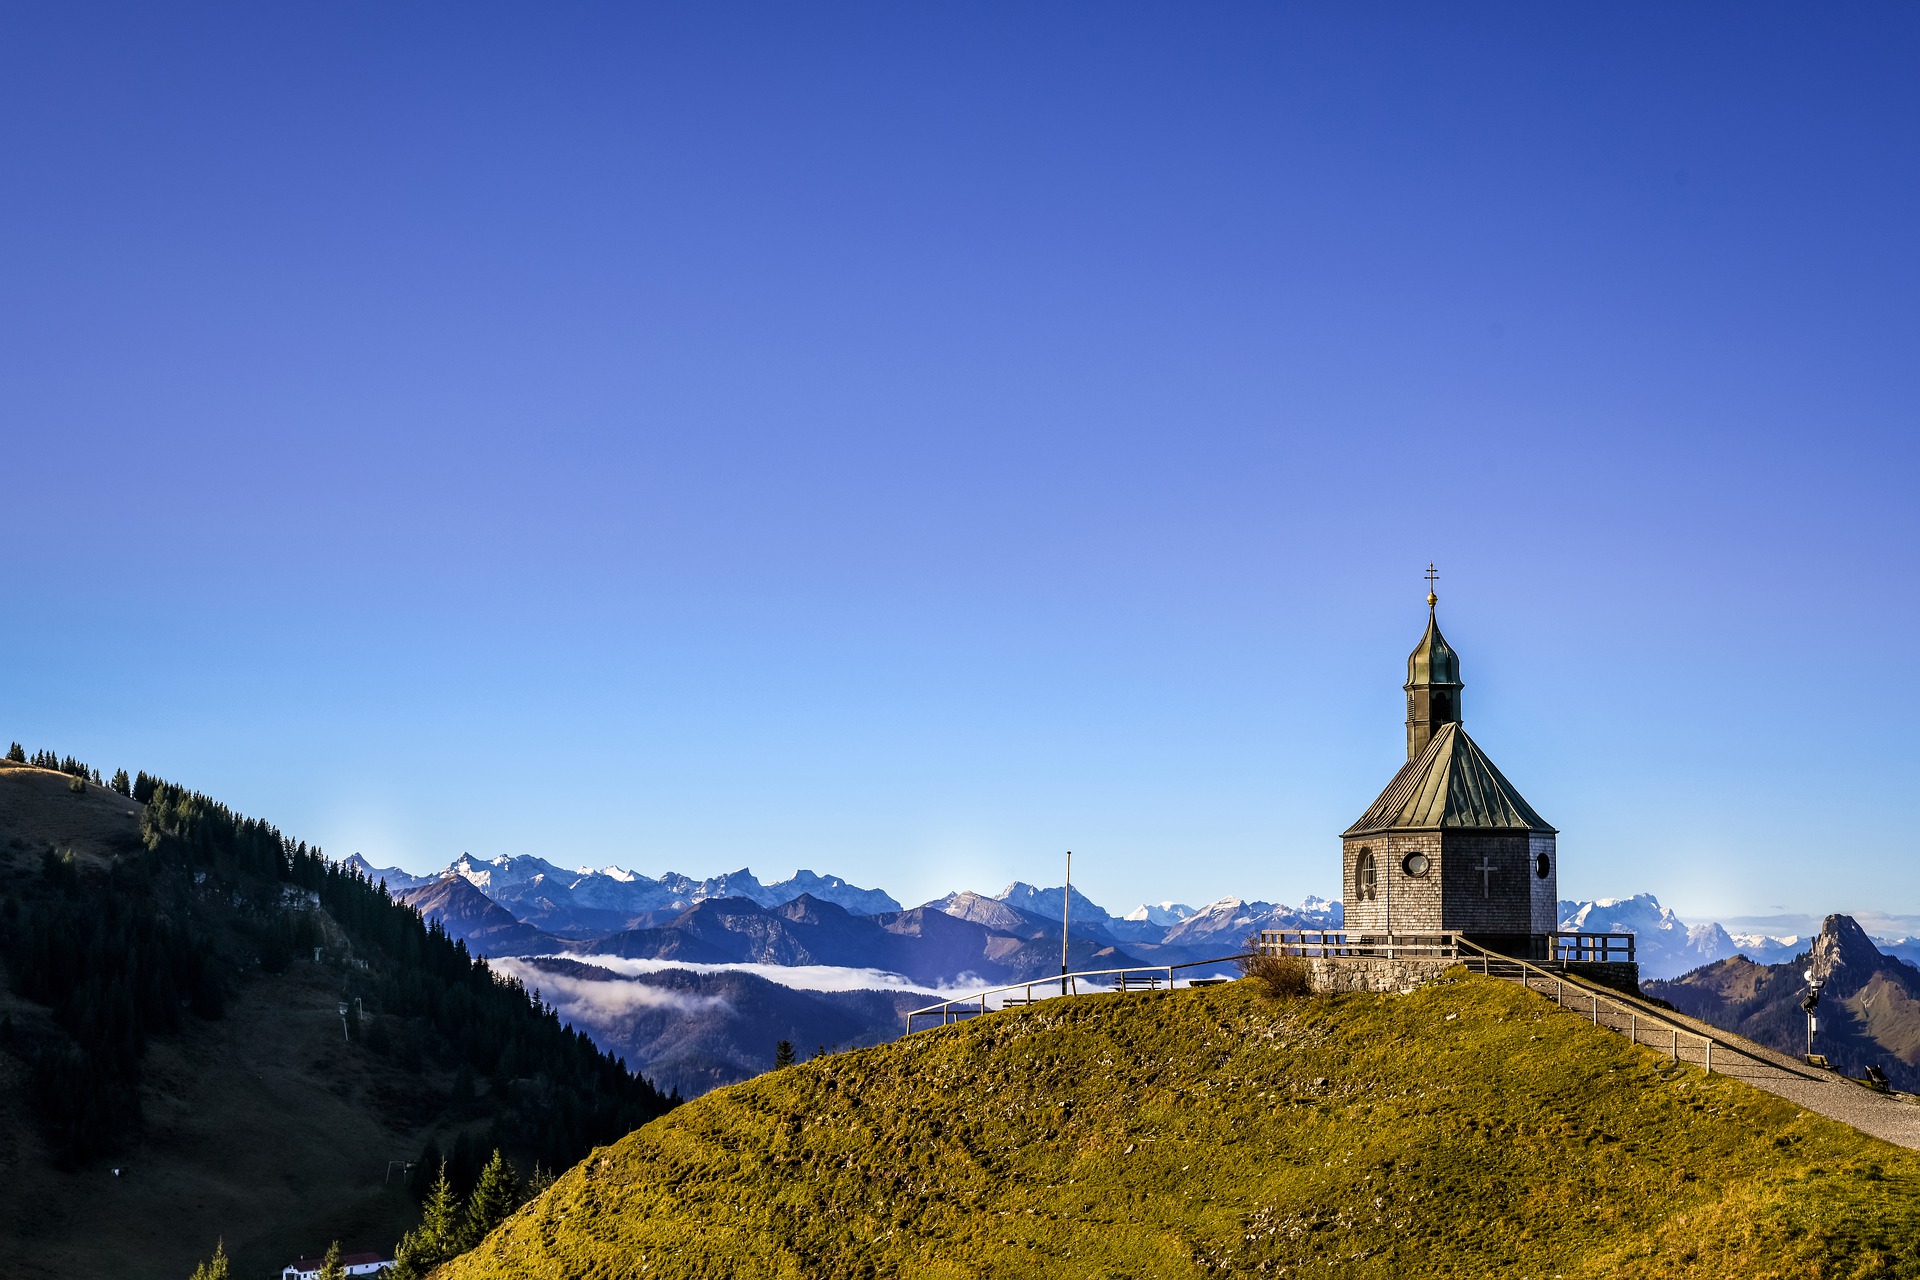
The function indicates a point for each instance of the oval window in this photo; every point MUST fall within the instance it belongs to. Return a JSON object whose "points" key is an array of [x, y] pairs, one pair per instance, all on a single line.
{"points": [[1415, 864], [1364, 876], [1541, 866]]}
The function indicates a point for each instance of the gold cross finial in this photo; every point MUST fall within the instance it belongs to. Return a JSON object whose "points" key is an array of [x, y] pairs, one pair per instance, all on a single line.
{"points": [[1432, 573]]}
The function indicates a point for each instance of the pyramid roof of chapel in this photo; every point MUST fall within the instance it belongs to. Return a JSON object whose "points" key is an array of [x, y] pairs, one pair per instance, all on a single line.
{"points": [[1450, 786]]}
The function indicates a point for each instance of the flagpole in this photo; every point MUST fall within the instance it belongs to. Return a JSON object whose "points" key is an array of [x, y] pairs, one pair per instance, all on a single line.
{"points": [[1066, 906]]}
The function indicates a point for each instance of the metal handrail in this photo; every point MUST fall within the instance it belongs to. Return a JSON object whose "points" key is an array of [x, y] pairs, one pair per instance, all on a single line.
{"points": [[1489, 958], [949, 1011], [1340, 944]]}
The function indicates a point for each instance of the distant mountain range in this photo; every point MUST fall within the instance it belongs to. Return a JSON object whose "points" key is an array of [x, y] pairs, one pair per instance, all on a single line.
{"points": [[694, 981], [741, 946], [556, 907], [1869, 1008], [538, 907], [1667, 947], [588, 903]]}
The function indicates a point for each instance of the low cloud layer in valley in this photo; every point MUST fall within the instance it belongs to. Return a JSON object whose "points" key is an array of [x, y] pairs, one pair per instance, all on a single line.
{"points": [[691, 1030], [590, 1002], [801, 977], [695, 981]]}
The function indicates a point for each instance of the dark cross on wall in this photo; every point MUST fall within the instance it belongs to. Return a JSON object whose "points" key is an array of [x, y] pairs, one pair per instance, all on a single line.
{"points": [[1486, 870]]}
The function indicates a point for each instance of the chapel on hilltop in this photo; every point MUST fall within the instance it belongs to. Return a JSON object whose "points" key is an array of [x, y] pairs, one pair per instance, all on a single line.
{"points": [[1450, 846]]}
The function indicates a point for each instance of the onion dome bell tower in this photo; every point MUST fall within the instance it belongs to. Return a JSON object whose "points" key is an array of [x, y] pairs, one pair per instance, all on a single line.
{"points": [[1433, 684]]}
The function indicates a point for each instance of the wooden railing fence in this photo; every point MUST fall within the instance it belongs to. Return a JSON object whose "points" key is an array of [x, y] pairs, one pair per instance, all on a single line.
{"points": [[1131, 978], [1604, 1010], [1335, 944]]}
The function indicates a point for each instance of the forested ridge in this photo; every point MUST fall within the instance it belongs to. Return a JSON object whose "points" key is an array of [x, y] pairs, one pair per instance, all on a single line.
{"points": [[125, 944]]}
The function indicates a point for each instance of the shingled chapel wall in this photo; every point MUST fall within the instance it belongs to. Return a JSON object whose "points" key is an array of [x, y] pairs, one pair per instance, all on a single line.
{"points": [[1412, 902], [1498, 902], [1546, 889], [1455, 895]]}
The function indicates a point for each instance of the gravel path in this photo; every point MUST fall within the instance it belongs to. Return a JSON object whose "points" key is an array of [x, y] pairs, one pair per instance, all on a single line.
{"points": [[1893, 1118]]}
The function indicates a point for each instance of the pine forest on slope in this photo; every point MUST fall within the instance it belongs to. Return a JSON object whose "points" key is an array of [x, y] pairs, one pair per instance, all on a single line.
{"points": [[165, 1013]]}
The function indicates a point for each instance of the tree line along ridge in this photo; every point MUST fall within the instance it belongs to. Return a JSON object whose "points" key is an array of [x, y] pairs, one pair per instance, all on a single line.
{"points": [[204, 899]]}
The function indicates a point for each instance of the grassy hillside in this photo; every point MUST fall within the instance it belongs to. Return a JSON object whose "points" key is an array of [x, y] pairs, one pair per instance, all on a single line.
{"points": [[1464, 1130], [163, 1012]]}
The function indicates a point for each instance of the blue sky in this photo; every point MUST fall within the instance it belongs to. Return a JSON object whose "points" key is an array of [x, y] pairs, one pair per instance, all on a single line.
{"points": [[911, 441]]}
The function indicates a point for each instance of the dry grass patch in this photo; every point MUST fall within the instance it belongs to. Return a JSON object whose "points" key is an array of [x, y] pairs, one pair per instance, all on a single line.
{"points": [[1278, 977]]}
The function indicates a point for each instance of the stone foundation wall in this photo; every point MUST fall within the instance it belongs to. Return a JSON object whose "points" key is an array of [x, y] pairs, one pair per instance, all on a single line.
{"points": [[1618, 974], [1360, 973], [1377, 973]]}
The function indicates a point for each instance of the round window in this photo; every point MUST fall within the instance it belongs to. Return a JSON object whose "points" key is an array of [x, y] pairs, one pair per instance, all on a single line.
{"points": [[1541, 866], [1415, 864]]}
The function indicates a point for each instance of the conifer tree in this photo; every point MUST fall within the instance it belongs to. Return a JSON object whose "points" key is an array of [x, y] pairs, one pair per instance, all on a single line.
{"points": [[783, 1054], [494, 1199], [17, 753], [436, 1239], [537, 1184], [440, 1218], [406, 1264], [330, 1268], [121, 783], [217, 1267]]}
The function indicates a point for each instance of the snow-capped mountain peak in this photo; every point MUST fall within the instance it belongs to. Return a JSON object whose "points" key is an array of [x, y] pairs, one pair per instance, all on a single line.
{"points": [[1046, 903], [1665, 946], [1164, 914]]}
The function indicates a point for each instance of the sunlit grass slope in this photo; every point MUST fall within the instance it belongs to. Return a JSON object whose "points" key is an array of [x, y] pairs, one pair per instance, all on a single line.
{"points": [[1467, 1129]]}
